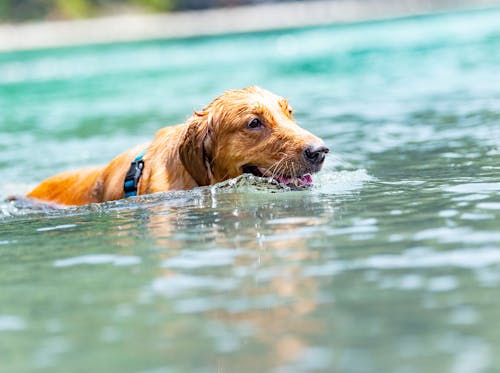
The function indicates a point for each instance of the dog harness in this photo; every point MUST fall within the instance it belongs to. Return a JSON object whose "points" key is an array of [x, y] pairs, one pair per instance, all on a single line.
{"points": [[133, 175]]}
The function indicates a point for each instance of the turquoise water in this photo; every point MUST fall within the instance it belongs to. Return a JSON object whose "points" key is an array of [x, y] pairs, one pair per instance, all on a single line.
{"points": [[391, 263]]}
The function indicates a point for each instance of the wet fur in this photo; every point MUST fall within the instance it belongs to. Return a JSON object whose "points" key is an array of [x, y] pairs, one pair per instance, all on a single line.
{"points": [[213, 145]]}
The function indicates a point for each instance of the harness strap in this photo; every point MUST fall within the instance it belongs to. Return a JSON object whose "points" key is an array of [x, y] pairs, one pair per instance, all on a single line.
{"points": [[133, 175]]}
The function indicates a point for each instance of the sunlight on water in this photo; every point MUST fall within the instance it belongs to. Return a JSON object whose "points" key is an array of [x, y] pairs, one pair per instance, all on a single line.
{"points": [[390, 262]]}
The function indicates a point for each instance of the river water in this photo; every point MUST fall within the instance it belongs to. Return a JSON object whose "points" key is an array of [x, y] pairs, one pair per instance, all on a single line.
{"points": [[391, 263]]}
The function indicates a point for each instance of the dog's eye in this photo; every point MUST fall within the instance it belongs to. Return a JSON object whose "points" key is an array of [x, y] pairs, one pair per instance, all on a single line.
{"points": [[255, 124]]}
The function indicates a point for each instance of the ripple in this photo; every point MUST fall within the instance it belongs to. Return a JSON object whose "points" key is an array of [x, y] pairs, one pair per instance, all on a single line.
{"points": [[459, 234], [11, 323], [464, 315], [360, 226], [474, 188], [466, 258], [442, 283], [179, 283], [203, 258], [294, 220], [93, 259], [56, 227], [473, 216], [489, 205], [405, 282], [447, 213]]}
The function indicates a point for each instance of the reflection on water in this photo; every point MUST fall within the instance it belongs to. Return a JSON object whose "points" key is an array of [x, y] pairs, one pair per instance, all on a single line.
{"points": [[390, 263]]}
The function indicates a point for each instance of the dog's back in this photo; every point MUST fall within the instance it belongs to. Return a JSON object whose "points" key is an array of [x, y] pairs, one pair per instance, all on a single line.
{"points": [[75, 187]]}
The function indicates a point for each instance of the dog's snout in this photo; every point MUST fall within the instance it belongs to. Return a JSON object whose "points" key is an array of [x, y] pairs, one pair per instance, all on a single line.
{"points": [[315, 154]]}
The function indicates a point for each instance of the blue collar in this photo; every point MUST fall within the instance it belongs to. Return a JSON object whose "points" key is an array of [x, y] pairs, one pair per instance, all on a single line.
{"points": [[133, 175]]}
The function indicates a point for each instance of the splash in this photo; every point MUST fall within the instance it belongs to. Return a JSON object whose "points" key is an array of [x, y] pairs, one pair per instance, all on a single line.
{"points": [[328, 182]]}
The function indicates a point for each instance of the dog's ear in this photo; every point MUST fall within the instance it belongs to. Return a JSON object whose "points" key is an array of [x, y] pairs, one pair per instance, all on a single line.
{"points": [[196, 148]]}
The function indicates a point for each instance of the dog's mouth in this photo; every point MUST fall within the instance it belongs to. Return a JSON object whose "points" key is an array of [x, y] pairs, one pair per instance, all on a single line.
{"points": [[301, 181]]}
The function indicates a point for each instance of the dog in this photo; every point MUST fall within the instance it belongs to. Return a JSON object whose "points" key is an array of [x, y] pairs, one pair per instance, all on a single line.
{"points": [[249, 130]]}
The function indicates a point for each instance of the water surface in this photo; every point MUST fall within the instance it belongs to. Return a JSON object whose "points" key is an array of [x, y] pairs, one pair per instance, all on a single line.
{"points": [[390, 263]]}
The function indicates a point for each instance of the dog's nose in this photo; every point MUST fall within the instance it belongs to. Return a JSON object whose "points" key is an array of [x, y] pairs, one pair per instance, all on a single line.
{"points": [[315, 154]]}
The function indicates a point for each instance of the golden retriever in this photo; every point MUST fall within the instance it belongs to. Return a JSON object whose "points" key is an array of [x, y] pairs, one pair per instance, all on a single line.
{"points": [[249, 130]]}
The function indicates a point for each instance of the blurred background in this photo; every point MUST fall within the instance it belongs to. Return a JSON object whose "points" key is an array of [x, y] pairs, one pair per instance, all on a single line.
{"points": [[26, 10], [22, 10], [35, 24]]}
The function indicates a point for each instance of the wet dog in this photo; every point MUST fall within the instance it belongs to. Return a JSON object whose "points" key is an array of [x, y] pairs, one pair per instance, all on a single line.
{"points": [[249, 130]]}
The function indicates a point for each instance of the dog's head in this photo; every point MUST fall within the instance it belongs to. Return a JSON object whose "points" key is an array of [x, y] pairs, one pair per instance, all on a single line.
{"points": [[250, 130]]}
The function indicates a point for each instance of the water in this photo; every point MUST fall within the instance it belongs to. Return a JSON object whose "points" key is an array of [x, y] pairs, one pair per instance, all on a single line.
{"points": [[390, 264]]}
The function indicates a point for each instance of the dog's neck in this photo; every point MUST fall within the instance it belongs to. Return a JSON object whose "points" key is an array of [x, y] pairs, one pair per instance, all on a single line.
{"points": [[165, 171]]}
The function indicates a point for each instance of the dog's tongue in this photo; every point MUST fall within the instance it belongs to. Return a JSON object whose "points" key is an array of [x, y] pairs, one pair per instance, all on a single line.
{"points": [[304, 180]]}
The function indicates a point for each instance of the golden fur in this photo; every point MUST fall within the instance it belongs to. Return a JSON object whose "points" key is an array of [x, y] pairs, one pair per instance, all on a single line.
{"points": [[214, 144]]}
